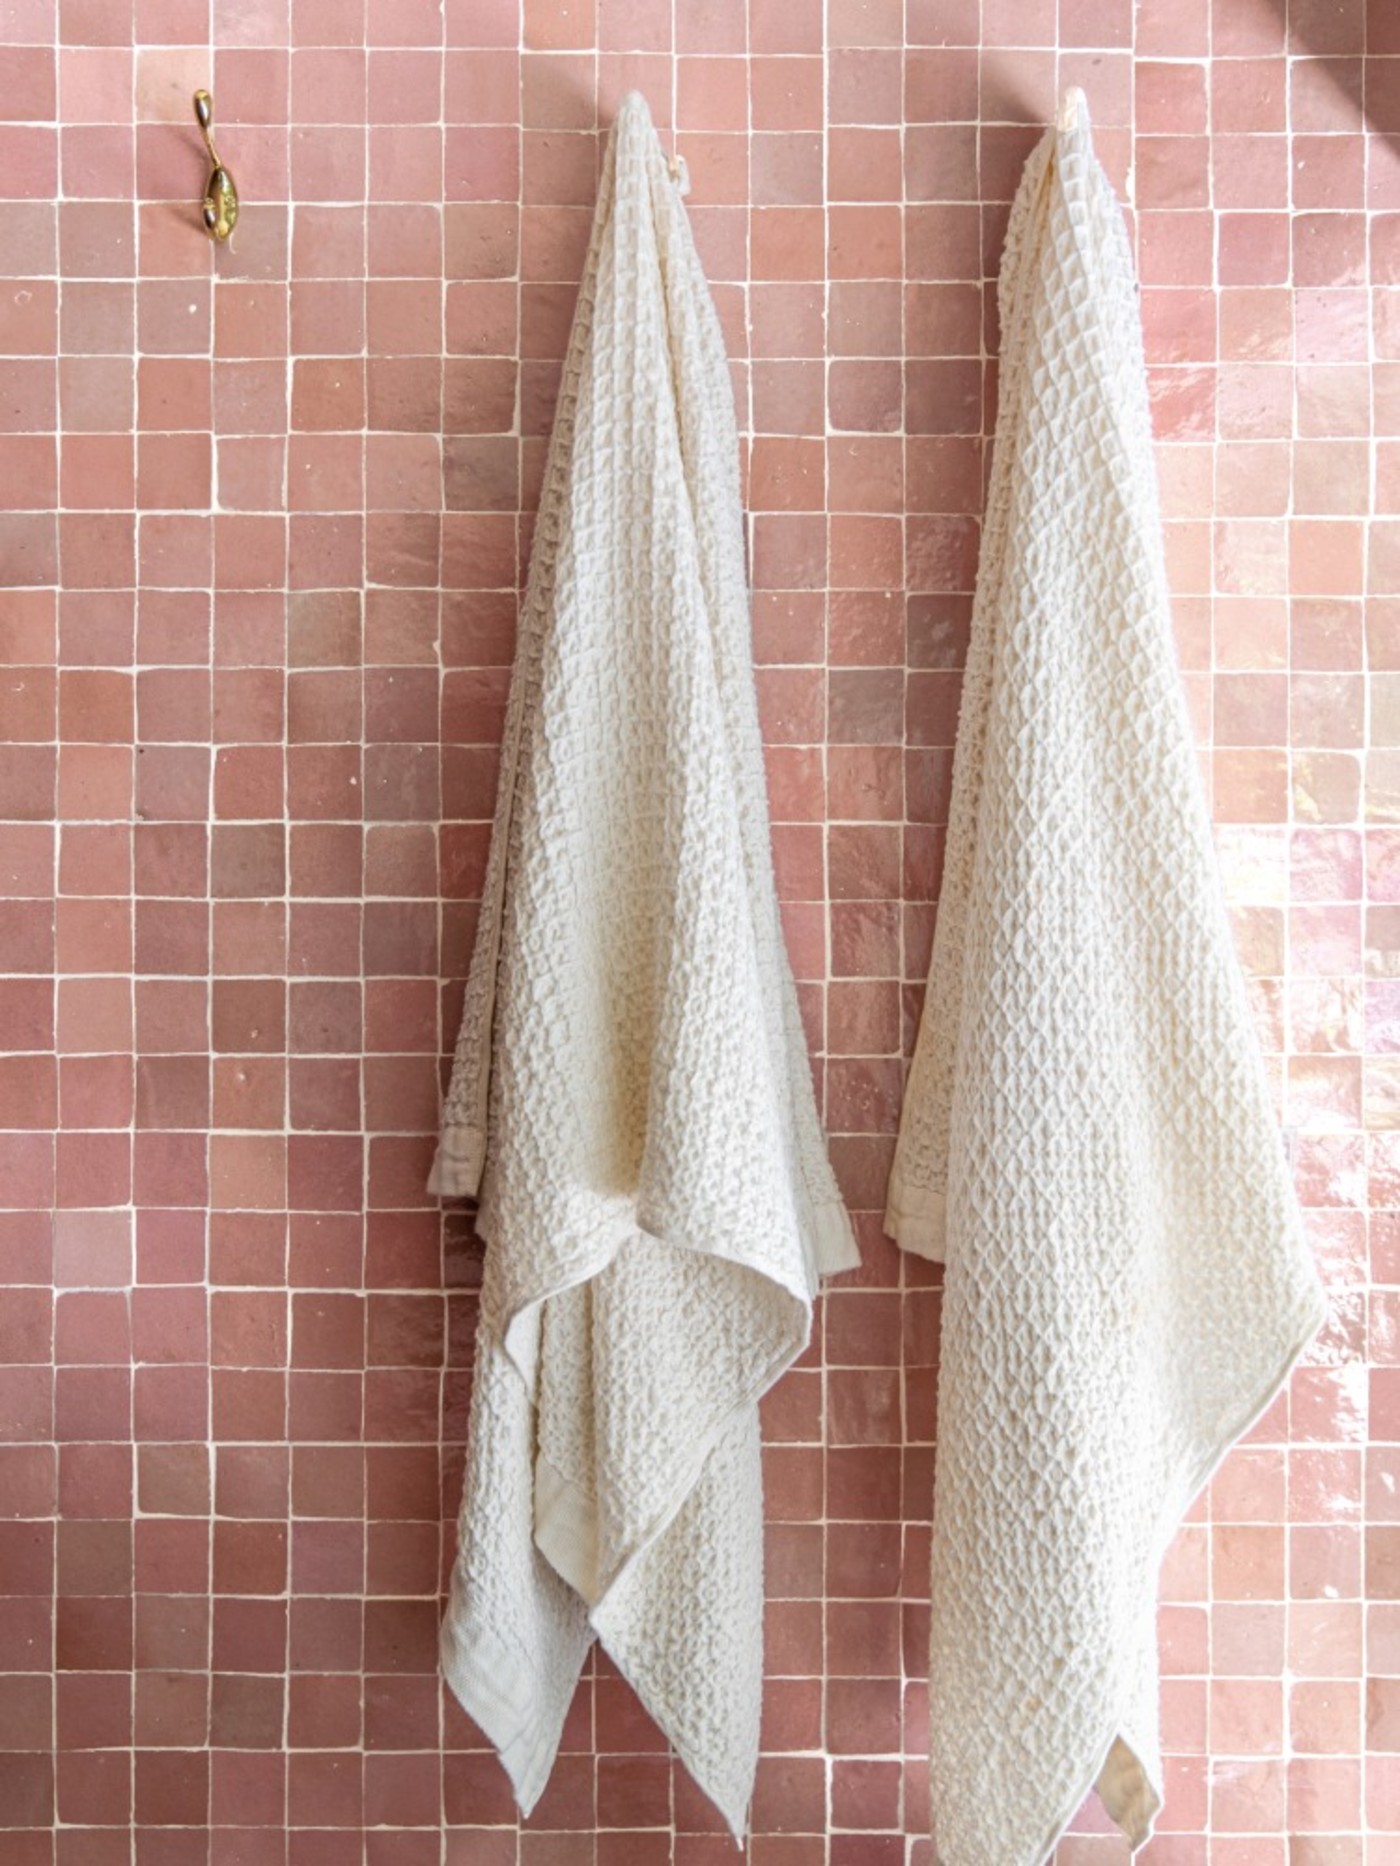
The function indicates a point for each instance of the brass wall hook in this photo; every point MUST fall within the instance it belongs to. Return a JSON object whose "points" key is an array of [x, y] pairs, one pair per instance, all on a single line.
{"points": [[220, 195]]}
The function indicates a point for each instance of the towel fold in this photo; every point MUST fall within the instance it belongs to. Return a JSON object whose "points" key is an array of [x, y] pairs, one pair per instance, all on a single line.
{"points": [[631, 1093], [1087, 1140]]}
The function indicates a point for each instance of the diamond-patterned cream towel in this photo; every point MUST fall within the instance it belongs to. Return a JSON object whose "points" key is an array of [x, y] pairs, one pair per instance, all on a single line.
{"points": [[1087, 1140], [631, 1073]]}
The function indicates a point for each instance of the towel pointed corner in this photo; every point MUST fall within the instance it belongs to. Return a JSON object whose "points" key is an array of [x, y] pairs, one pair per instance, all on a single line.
{"points": [[483, 1681]]}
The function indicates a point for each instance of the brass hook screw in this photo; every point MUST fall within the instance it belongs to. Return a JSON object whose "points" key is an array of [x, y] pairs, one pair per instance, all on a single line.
{"points": [[220, 195]]}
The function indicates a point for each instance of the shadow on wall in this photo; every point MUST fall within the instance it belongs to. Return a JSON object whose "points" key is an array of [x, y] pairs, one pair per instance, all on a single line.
{"points": [[1343, 35]]}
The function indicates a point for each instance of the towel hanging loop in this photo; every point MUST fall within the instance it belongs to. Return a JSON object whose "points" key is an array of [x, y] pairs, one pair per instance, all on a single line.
{"points": [[1074, 107]]}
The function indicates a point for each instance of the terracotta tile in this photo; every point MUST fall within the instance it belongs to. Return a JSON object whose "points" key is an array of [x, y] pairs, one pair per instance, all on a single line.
{"points": [[854, 266]]}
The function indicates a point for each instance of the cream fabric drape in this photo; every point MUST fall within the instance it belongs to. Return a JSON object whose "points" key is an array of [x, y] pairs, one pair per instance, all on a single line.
{"points": [[631, 1093], [1087, 1139]]}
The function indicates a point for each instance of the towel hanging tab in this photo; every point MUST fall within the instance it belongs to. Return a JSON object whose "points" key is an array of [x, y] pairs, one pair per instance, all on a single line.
{"points": [[1074, 108]]}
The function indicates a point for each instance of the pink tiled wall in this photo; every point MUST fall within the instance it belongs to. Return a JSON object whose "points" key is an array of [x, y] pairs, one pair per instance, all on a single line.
{"points": [[265, 512]]}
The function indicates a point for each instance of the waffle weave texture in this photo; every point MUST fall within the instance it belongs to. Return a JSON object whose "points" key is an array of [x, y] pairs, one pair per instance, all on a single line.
{"points": [[1087, 1139], [631, 1094]]}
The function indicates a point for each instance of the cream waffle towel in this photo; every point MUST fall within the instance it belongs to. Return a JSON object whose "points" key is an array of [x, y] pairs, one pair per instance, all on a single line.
{"points": [[656, 1199], [1087, 1139]]}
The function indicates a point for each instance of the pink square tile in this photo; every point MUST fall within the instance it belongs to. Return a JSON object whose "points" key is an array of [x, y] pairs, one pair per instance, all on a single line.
{"points": [[851, 250]]}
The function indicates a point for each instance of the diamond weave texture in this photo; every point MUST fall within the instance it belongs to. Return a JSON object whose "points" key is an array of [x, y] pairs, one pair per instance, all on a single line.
{"points": [[1087, 1137], [631, 1086]]}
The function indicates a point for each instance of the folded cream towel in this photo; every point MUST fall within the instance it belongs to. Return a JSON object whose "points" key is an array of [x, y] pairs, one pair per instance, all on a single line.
{"points": [[631, 1072], [1087, 1138]]}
